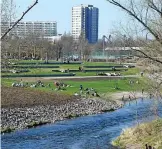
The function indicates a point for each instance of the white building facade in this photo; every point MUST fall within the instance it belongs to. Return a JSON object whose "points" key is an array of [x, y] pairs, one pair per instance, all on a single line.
{"points": [[40, 28], [77, 21]]}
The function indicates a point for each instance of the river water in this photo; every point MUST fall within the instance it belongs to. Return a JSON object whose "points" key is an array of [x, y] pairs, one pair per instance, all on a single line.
{"points": [[88, 132]]}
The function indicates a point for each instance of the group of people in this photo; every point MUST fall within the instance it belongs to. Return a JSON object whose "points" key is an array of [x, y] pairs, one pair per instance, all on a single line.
{"points": [[87, 92], [39, 83], [60, 85]]}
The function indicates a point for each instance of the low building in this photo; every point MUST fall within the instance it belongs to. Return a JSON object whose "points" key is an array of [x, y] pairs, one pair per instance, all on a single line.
{"points": [[115, 53], [53, 39]]}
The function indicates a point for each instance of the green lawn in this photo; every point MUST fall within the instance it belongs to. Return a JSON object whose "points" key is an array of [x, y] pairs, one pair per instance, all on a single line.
{"points": [[131, 71], [36, 71], [101, 86], [84, 63], [49, 71], [100, 64]]}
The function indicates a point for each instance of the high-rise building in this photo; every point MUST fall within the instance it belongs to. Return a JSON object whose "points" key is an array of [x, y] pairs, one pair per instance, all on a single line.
{"points": [[22, 29], [85, 19]]}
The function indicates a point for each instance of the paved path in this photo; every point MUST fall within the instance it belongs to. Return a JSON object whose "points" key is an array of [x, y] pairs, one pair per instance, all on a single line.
{"points": [[78, 77]]}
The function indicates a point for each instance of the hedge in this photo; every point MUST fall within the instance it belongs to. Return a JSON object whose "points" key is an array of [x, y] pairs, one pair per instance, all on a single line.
{"points": [[44, 63], [17, 66], [41, 75], [119, 66], [92, 70]]}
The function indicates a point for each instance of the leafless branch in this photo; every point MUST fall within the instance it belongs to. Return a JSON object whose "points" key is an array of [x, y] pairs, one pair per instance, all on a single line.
{"points": [[131, 13], [153, 6], [24, 13], [147, 56]]}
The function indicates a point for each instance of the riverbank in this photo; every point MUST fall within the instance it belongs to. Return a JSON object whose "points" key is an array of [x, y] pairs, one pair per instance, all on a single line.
{"points": [[127, 96], [137, 137], [23, 108]]}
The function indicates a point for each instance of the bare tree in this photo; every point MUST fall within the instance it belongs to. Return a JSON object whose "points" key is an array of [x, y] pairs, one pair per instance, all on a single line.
{"points": [[67, 45], [148, 13], [24, 13], [8, 16], [82, 44], [147, 19]]}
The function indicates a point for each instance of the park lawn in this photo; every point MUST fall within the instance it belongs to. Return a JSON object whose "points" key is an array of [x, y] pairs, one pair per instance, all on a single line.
{"points": [[34, 71], [101, 64], [66, 65], [38, 71], [146, 133], [45, 71], [30, 61], [7, 82], [105, 86], [101, 86], [131, 71]]}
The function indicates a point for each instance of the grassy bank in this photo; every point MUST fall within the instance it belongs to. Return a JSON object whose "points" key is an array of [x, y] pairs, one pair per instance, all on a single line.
{"points": [[146, 133], [101, 86], [131, 71]]}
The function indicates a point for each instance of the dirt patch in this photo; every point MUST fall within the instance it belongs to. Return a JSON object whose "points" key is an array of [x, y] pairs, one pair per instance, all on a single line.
{"points": [[127, 96], [22, 97]]}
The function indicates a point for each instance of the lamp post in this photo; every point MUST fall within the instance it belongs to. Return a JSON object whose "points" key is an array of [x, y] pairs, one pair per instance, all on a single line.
{"points": [[125, 37], [110, 41], [103, 42], [103, 45], [120, 53]]}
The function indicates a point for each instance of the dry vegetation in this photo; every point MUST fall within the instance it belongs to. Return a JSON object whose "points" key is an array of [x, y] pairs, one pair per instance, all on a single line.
{"points": [[147, 133], [21, 97]]}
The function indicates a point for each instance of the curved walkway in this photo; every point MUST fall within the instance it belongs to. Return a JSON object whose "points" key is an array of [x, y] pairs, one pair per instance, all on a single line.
{"points": [[79, 77]]}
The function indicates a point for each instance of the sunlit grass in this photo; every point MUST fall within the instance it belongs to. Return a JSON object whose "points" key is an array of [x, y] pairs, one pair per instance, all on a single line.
{"points": [[101, 86], [146, 133]]}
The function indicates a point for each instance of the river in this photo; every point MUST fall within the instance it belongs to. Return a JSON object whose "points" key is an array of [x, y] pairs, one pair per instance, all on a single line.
{"points": [[87, 132]]}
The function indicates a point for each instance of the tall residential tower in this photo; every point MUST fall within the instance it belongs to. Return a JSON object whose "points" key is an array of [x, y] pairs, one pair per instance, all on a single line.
{"points": [[85, 19]]}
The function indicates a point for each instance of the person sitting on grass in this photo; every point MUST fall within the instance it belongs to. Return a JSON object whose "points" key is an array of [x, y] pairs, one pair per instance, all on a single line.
{"points": [[62, 84], [81, 87], [26, 84], [87, 93], [39, 82], [21, 83], [57, 84], [86, 89], [81, 92], [76, 94], [92, 89], [113, 68], [95, 94], [42, 85], [33, 85], [49, 85], [13, 84], [80, 68]]}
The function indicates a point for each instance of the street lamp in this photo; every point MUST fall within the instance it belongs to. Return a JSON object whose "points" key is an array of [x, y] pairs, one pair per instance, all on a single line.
{"points": [[120, 52], [103, 45], [103, 42]]}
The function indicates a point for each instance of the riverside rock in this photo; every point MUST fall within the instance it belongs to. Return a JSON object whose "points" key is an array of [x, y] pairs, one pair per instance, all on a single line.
{"points": [[20, 118]]}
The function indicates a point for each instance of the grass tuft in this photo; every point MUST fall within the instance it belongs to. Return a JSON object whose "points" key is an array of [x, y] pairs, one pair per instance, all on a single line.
{"points": [[146, 133]]}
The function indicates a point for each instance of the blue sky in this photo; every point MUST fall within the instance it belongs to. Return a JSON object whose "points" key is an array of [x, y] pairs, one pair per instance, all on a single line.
{"points": [[60, 11]]}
